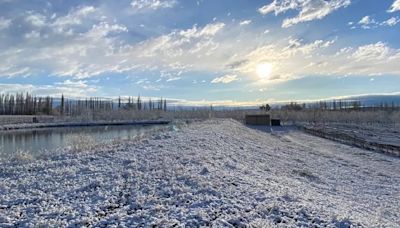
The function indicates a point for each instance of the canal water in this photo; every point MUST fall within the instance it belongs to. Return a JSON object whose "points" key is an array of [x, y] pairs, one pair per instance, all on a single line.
{"points": [[36, 142]]}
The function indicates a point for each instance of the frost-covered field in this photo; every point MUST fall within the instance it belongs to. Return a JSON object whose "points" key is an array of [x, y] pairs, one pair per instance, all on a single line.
{"points": [[217, 172], [379, 137]]}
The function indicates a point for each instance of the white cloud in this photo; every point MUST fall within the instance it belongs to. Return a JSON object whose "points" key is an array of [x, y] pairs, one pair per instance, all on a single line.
{"points": [[279, 6], [75, 84], [90, 53], [100, 50], [32, 35], [245, 22], [225, 79], [153, 4], [11, 71], [104, 28], [173, 79], [377, 51], [206, 31], [391, 21], [308, 9], [370, 59], [74, 17], [69, 89], [37, 20], [368, 23], [97, 46], [395, 6], [181, 46], [4, 23], [293, 59]]}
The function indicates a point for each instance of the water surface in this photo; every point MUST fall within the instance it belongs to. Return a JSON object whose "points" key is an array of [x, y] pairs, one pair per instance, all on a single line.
{"points": [[37, 142]]}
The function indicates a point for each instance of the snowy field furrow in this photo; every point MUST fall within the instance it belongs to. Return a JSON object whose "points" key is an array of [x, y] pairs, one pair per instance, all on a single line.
{"points": [[384, 138], [213, 173]]}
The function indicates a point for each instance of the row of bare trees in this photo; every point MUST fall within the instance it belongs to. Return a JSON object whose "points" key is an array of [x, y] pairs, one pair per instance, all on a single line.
{"points": [[138, 104], [27, 104], [20, 104], [336, 105]]}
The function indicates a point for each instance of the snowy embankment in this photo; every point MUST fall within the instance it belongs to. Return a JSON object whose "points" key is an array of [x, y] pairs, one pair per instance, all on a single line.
{"points": [[217, 172]]}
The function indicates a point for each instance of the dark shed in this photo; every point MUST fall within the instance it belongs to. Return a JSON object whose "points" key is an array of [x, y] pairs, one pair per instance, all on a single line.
{"points": [[275, 122], [260, 119]]}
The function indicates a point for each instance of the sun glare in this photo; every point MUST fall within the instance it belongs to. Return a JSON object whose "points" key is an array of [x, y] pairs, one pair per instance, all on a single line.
{"points": [[264, 70]]}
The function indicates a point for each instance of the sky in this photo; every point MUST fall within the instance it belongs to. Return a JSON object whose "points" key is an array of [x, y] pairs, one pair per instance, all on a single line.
{"points": [[200, 52]]}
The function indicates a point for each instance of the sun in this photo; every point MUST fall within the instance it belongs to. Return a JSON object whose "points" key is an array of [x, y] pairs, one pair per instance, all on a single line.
{"points": [[264, 70]]}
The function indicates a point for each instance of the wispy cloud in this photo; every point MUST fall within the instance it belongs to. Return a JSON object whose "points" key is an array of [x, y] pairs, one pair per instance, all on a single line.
{"points": [[225, 79], [75, 84], [32, 35], [36, 19], [391, 21], [69, 88], [173, 79], [4, 23], [153, 4], [367, 22], [245, 22], [76, 16], [308, 10]]}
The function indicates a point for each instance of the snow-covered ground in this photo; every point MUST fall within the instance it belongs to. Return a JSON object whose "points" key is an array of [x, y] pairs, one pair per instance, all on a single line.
{"points": [[379, 137], [212, 173]]}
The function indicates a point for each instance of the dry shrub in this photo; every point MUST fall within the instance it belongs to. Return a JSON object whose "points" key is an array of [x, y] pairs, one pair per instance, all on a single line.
{"points": [[80, 143], [21, 155]]}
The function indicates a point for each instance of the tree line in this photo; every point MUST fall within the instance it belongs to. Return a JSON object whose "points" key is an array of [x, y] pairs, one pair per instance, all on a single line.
{"points": [[20, 104], [27, 104], [337, 105]]}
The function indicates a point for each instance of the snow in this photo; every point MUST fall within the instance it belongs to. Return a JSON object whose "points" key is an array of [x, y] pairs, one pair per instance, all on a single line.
{"points": [[378, 137], [212, 173]]}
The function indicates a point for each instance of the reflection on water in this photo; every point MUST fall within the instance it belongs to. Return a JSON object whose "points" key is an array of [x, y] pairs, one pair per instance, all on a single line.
{"points": [[37, 141]]}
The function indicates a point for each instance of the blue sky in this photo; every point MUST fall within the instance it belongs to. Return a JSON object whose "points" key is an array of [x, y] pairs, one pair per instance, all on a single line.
{"points": [[227, 52]]}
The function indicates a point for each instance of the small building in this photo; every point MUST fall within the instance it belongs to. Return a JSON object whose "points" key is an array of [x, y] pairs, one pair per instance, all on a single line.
{"points": [[260, 119], [275, 122]]}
